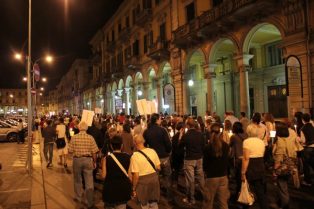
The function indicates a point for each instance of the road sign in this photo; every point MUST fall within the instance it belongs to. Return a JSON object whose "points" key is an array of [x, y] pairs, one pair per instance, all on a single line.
{"points": [[36, 71], [33, 91]]}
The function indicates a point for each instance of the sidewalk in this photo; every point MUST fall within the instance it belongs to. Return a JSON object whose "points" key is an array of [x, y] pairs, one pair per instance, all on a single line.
{"points": [[52, 188]]}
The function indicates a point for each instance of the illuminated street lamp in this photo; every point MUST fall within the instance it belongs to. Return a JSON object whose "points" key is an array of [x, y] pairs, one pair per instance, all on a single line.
{"points": [[11, 95], [24, 79], [44, 79], [49, 58], [42, 88], [18, 56]]}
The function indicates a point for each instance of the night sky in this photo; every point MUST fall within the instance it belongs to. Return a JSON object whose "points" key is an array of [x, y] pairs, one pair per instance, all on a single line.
{"points": [[62, 28]]}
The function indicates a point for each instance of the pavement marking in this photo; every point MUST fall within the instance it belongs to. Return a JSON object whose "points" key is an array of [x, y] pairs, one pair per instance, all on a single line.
{"points": [[14, 190]]}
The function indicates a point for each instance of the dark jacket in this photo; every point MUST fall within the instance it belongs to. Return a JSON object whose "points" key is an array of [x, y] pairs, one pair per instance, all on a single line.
{"points": [[97, 134], [308, 131], [194, 143], [49, 134], [158, 139]]}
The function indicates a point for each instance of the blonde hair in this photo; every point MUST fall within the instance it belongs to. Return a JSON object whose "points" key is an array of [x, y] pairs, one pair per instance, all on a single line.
{"points": [[112, 131]]}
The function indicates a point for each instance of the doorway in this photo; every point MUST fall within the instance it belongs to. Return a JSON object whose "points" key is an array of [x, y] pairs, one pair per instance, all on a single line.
{"points": [[277, 101]]}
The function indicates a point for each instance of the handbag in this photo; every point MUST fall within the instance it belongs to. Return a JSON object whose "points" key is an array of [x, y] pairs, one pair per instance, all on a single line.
{"points": [[246, 196], [287, 167], [60, 142]]}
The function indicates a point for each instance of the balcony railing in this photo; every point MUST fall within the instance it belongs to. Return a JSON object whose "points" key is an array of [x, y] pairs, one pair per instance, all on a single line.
{"points": [[143, 17], [159, 50], [222, 18], [132, 63]]}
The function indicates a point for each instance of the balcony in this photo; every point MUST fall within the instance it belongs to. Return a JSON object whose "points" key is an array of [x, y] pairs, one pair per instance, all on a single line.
{"points": [[111, 47], [132, 63], [187, 35], [232, 14], [124, 34], [159, 51], [222, 19], [143, 17], [117, 70]]}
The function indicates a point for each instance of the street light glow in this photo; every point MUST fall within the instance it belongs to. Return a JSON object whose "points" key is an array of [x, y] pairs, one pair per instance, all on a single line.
{"points": [[42, 88], [49, 58], [11, 95], [40, 94], [18, 56], [24, 79], [44, 79]]}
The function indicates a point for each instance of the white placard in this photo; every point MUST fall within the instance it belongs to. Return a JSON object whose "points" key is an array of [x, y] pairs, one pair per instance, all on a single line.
{"points": [[88, 117], [140, 107], [97, 110]]}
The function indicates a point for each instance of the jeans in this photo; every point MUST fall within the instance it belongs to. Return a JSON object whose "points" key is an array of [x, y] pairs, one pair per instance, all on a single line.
{"points": [[282, 184], [122, 206], [84, 165], [165, 172], [258, 187], [48, 148], [152, 205], [216, 189], [308, 163], [193, 169]]}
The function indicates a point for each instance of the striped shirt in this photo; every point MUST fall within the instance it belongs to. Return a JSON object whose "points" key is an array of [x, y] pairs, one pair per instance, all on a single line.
{"points": [[83, 144]]}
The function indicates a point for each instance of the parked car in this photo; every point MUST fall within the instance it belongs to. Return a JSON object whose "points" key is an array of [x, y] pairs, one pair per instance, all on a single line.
{"points": [[8, 133]]}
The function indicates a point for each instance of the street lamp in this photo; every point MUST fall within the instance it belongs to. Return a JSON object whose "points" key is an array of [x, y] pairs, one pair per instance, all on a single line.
{"points": [[44, 79], [42, 88]]}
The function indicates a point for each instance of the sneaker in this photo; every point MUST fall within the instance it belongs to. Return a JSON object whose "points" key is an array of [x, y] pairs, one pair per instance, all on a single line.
{"points": [[304, 183]]}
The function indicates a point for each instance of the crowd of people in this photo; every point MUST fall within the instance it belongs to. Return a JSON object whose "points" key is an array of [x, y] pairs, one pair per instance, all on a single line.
{"points": [[143, 157]]}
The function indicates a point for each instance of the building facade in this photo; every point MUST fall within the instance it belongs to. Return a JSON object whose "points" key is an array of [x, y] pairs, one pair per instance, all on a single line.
{"points": [[13, 102], [189, 56]]}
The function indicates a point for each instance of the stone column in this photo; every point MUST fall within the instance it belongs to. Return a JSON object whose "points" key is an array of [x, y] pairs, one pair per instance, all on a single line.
{"points": [[145, 90], [113, 95], [134, 95], [159, 94], [127, 98], [209, 72], [243, 67], [185, 100]]}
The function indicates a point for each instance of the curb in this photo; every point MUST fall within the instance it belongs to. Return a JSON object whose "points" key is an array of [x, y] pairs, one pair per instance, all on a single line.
{"points": [[37, 188]]}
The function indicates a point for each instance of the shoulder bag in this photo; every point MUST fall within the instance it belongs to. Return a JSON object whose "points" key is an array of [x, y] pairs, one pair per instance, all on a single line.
{"points": [[149, 160], [119, 164], [60, 142], [288, 166]]}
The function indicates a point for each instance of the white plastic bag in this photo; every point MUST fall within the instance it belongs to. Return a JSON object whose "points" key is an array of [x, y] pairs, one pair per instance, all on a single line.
{"points": [[246, 197]]}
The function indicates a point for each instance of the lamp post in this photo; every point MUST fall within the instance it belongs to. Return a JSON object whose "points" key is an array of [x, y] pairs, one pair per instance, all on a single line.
{"points": [[29, 96]]}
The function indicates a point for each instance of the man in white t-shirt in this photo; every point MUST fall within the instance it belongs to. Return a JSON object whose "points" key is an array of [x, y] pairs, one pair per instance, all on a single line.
{"points": [[143, 171]]}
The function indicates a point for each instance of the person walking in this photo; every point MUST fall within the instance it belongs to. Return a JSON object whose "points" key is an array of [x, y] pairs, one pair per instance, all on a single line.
{"points": [[215, 162], [49, 135], [127, 139], [61, 135], [307, 138], [253, 168], [84, 149], [194, 142], [117, 185], [157, 138], [20, 128], [143, 170], [284, 147]]}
